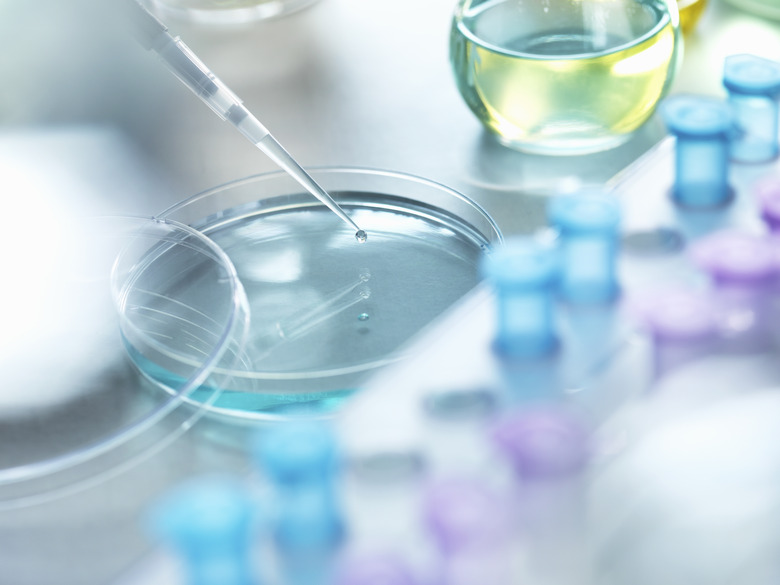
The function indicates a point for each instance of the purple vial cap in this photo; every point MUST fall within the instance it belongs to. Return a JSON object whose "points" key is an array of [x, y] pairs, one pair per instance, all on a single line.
{"points": [[768, 193], [461, 514], [680, 315], [543, 442], [736, 258], [375, 569]]}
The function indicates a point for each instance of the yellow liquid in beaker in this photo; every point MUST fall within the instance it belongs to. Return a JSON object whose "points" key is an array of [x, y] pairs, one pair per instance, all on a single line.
{"points": [[551, 92]]}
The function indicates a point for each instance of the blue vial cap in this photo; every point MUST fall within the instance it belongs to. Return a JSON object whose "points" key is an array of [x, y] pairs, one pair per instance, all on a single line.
{"points": [[697, 117], [521, 263], [209, 522], [298, 451], [585, 213], [751, 75]]}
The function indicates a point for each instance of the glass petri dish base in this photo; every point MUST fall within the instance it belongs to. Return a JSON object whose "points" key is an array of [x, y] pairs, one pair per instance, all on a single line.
{"points": [[326, 310]]}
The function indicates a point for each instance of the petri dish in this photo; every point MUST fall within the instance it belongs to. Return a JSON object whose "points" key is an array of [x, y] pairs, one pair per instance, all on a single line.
{"points": [[327, 310], [75, 410]]}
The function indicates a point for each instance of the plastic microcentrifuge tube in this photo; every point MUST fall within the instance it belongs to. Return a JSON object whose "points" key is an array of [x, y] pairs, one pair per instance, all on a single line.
{"points": [[703, 127], [743, 267], [683, 325], [753, 84], [768, 194], [209, 522], [588, 225], [523, 274], [549, 449], [471, 526], [301, 460]]}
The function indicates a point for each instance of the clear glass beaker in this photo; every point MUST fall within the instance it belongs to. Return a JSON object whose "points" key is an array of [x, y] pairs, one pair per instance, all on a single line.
{"points": [[564, 76], [226, 11]]}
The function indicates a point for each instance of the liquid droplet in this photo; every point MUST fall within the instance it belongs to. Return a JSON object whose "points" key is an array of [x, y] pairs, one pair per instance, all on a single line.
{"points": [[361, 236], [363, 317]]}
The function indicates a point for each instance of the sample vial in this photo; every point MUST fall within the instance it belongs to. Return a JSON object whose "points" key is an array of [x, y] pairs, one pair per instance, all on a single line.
{"points": [[588, 226], [703, 128], [549, 449], [301, 462], [209, 521], [523, 273], [753, 84], [472, 527], [683, 326], [743, 267], [563, 77]]}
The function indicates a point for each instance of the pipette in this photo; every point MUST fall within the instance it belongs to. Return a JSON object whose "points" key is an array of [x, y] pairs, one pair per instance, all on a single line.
{"points": [[184, 64]]}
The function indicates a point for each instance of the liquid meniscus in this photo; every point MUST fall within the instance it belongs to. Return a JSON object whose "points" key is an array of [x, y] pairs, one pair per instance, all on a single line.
{"points": [[561, 77]]}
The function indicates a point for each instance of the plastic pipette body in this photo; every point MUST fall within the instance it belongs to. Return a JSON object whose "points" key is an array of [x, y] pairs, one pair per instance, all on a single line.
{"points": [[191, 71]]}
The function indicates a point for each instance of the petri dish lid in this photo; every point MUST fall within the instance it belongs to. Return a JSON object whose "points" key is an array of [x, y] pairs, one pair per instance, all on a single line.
{"points": [[74, 410], [328, 311]]}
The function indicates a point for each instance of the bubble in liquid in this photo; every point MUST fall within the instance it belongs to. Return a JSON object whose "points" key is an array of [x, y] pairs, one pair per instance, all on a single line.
{"points": [[361, 236], [363, 317]]}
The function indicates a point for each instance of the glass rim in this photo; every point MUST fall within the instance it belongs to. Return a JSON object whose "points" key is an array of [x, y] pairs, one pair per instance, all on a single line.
{"points": [[318, 172], [63, 474]]}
